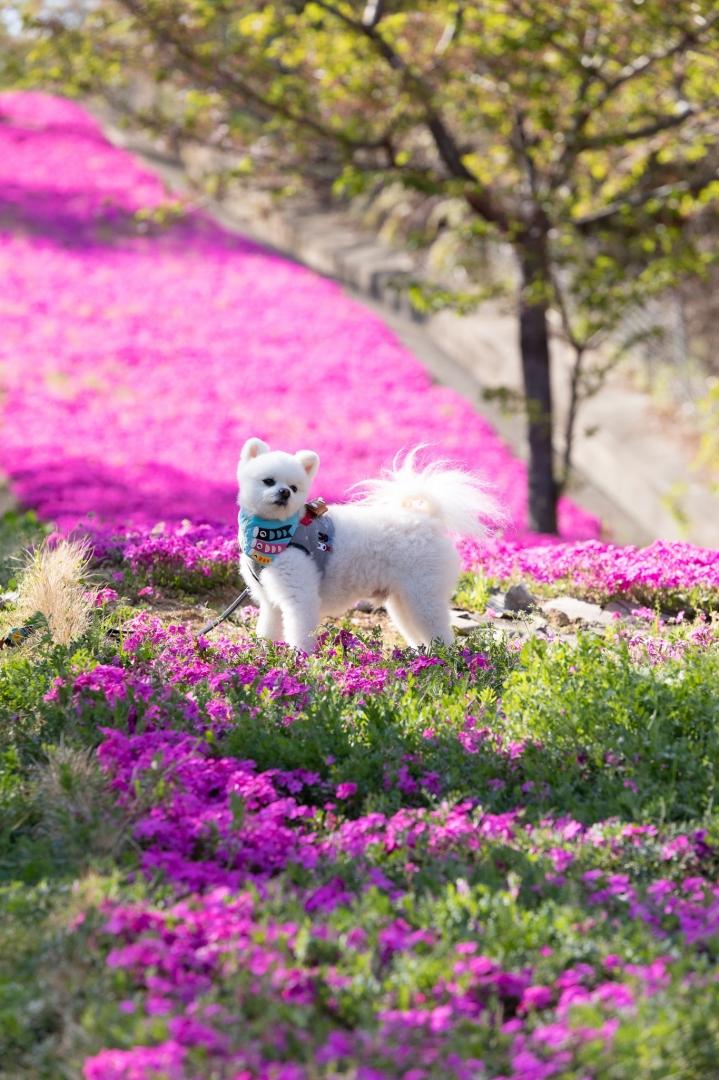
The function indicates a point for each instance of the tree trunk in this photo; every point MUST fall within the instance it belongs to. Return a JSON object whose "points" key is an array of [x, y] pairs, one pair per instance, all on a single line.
{"points": [[571, 423], [534, 348]]}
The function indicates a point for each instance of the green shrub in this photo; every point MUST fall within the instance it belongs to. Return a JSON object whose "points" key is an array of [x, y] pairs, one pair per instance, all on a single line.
{"points": [[633, 739]]}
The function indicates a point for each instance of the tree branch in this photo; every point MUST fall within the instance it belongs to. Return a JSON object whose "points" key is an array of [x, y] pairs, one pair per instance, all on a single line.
{"points": [[642, 64], [482, 201], [373, 12], [636, 200], [574, 144], [571, 418], [218, 76], [646, 131], [522, 145], [450, 32]]}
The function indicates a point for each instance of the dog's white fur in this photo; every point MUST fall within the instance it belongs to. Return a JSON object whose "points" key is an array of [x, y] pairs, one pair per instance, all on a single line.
{"points": [[392, 543]]}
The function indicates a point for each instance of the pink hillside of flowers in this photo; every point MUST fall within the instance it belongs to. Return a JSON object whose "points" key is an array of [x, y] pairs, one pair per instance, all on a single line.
{"points": [[136, 357]]}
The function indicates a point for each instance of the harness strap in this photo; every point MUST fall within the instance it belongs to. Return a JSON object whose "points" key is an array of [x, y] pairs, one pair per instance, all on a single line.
{"points": [[263, 541], [300, 547], [255, 571], [319, 536]]}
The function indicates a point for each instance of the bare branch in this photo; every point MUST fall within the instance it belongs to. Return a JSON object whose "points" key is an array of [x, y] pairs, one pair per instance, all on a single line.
{"points": [[373, 12], [482, 201], [571, 419], [574, 143], [691, 36], [636, 200], [521, 142], [645, 131], [450, 32], [218, 76]]}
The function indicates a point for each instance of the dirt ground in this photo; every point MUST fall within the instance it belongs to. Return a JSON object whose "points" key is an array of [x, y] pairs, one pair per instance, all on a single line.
{"points": [[240, 625]]}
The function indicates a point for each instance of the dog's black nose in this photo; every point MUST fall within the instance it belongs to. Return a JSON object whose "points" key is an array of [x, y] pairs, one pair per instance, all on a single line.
{"points": [[283, 493]]}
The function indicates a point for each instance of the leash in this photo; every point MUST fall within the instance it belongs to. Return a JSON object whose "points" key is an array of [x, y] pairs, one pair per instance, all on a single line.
{"points": [[225, 614], [313, 510], [18, 635]]}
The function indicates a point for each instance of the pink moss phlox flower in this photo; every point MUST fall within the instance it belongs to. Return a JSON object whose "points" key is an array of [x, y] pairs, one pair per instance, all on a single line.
{"points": [[139, 1063], [155, 426], [607, 569]]}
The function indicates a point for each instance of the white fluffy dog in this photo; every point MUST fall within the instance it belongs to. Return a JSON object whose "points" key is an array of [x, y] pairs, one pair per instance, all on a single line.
{"points": [[393, 543]]}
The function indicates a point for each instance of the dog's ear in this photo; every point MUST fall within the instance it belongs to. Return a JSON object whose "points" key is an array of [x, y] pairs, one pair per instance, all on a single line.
{"points": [[309, 460], [252, 449]]}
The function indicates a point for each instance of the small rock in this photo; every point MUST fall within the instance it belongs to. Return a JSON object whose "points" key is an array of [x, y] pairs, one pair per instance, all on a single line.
{"points": [[495, 604], [556, 617], [566, 609], [464, 622], [518, 598]]}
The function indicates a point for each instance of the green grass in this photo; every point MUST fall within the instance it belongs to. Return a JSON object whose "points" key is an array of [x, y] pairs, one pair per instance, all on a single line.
{"points": [[19, 531], [601, 733]]}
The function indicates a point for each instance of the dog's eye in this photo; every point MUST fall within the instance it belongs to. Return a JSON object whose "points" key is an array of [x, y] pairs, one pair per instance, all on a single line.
{"points": [[294, 488], [268, 481]]}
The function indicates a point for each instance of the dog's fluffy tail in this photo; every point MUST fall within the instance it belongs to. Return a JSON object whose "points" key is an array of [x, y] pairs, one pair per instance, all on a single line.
{"points": [[461, 501]]}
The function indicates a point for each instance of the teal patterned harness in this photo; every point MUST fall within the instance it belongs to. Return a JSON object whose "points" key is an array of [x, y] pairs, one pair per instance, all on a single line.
{"points": [[262, 540]]}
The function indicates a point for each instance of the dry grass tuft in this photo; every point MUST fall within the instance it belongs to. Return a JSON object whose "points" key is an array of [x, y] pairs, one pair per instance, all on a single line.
{"points": [[52, 585]]}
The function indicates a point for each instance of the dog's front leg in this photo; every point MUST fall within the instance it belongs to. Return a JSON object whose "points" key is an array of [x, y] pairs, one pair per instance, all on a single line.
{"points": [[269, 621], [300, 623], [292, 583]]}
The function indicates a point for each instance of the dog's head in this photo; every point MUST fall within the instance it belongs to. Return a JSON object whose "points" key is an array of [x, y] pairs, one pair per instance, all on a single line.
{"points": [[273, 484]]}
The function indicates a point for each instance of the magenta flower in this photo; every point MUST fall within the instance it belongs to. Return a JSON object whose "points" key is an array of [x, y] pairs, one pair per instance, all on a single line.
{"points": [[152, 406]]}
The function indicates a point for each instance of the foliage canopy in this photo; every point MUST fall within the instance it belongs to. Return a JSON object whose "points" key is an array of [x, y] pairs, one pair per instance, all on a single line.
{"points": [[582, 133]]}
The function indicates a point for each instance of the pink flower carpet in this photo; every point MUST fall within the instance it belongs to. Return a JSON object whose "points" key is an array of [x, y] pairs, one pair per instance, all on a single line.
{"points": [[136, 357], [368, 864]]}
